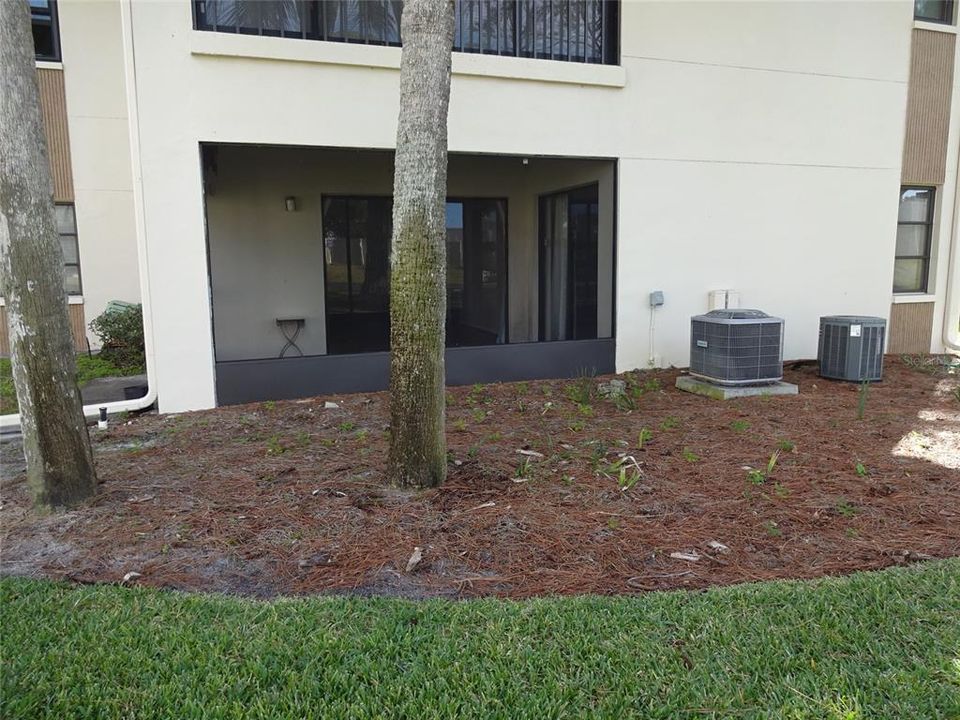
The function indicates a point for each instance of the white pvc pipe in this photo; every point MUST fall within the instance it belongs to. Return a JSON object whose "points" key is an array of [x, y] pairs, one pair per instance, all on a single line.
{"points": [[133, 120]]}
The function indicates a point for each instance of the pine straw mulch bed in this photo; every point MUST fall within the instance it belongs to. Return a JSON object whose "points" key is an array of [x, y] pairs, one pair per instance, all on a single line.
{"points": [[290, 497]]}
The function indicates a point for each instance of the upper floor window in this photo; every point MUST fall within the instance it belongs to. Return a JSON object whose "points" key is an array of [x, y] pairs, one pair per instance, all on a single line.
{"points": [[938, 11], [46, 33], [914, 232], [570, 30]]}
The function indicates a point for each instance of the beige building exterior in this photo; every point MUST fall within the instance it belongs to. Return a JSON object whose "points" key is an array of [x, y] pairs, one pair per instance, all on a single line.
{"points": [[228, 168]]}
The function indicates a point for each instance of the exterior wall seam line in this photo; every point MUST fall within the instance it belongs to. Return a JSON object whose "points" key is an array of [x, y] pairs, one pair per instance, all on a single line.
{"points": [[784, 71]]}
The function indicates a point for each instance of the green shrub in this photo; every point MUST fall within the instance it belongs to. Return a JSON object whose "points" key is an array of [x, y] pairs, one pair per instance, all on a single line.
{"points": [[120, 329], [8, 394]]}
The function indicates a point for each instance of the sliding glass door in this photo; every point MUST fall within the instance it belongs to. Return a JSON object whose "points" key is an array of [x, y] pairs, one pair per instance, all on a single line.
{"points": [[356, 236], [476, 272], [569, 233]]}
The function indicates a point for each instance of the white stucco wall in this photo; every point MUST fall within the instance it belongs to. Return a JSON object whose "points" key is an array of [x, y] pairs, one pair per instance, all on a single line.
{"points": [[91, 40], [759, 147]]}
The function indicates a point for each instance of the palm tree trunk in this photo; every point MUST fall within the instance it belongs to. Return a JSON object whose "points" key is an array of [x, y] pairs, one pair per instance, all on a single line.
{"points": [[418, 260], [60, 468]]}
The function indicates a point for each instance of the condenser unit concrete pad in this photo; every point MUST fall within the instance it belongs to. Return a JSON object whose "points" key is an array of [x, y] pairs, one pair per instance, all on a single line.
{"points": [[725, 392]]}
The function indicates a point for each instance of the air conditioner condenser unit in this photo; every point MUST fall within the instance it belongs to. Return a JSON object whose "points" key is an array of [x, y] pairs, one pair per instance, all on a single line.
{"points": [[736, 347], [851, 347]]}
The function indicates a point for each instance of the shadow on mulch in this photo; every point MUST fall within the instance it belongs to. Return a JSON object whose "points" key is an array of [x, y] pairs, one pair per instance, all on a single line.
{"points": [[289, 497]]}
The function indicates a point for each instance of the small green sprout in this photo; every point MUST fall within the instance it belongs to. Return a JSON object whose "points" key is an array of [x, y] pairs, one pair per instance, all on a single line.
{"points": [[845, 509], [274, 446], [862, 398], [523, 469], [645, 435], [773, 530], [772, 462], [627, 472]]}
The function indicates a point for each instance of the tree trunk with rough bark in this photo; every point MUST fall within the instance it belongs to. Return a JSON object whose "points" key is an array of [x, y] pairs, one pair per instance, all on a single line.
{"points": [[418, 294], [60, 470]]}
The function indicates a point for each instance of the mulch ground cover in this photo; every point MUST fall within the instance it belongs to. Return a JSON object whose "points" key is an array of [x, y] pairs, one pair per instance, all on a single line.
{"points": [[553, 488]]}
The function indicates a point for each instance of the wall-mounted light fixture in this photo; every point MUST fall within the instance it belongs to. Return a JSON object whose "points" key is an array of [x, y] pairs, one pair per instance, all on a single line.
{"points": [[291, 204]]}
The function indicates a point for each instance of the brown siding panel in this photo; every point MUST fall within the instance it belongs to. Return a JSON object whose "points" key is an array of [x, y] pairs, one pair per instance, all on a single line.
{"points": [[911, 328], [928, 107], [78, 327], [53, 105]]}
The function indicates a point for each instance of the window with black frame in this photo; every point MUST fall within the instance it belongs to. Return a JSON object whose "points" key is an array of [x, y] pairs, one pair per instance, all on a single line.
{"points": [[914, 234], [584, 31], [938, 11], [569, 260], [356, 237], [67, 230], [46, 33], [570, 30]]}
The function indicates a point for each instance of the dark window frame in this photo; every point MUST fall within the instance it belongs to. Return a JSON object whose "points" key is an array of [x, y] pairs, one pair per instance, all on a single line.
{"points": [[37, 15], [555, 34], [947, 18], [928, 239], [76, 243]]}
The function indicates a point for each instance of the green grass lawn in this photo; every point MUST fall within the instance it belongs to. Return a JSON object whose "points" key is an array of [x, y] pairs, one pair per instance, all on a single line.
{"points": [[874, 645], [89, 367]]}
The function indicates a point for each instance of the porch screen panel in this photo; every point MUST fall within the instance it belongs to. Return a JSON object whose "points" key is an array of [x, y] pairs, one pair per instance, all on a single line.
{"points": [[356, 236], [569, 240], [476, 272], [554, 267], [584, 233]]}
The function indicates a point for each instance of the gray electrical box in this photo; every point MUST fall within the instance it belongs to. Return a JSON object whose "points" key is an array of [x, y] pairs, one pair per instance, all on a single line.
{"points": [[851, 347], [656, 298]]}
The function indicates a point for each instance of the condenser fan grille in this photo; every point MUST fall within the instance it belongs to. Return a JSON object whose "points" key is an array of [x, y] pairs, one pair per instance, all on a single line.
{"points": [[736, 347], [851, 347]]}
